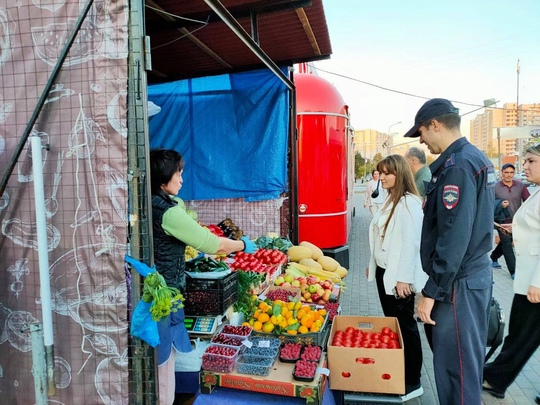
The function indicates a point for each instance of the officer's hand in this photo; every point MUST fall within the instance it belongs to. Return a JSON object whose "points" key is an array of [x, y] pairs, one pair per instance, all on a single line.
{"points": [[249, 245], [425, 305], [533, 295]]}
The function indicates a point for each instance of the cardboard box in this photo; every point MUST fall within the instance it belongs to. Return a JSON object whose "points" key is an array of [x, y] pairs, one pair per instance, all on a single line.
{"points": [[278, 382], [347, 373]]}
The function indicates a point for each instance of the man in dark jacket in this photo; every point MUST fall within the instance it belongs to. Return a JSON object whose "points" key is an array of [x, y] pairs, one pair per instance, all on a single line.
{"points": [[511, 193]]}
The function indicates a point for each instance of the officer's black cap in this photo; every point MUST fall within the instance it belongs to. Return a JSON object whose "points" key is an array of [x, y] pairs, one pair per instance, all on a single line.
{"points": [[431, 109], [507, 165]]}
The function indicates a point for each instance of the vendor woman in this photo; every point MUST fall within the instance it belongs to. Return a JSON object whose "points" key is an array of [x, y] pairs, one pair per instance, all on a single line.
{"points": [[174, 229]]}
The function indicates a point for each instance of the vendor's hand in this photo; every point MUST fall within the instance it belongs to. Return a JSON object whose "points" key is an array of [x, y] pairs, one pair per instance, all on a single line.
{"points": [[367, 272], [505, 203], [249, 245], [533, 295], [425, 306], [403, 289]]}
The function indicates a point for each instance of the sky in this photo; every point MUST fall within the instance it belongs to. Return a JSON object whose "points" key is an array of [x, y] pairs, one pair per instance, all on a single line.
{"points": [[463, 50]]}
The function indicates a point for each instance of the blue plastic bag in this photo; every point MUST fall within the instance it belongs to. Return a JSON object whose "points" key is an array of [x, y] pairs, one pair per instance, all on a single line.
{"points": [[143, 269], [143, 326]]}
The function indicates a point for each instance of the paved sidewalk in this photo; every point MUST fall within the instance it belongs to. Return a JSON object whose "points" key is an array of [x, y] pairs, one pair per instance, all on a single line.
{"points": [[360, 298]]}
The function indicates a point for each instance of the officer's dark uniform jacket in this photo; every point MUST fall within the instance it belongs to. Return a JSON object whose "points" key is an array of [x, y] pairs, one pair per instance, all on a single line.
{"points": [[168, 251], [454, 246]]}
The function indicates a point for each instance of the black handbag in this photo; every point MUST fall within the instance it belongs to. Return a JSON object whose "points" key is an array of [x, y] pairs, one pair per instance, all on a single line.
{"points": [[375, 193], [495, 327]]}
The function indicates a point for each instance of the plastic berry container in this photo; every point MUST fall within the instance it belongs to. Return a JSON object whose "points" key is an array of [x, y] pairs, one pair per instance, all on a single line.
{"points": [[222, 339], [290, 352], [311, 353], [270, 342], [237, 332], [254, 365], [262, 351], [220, 359], [304, 370]]}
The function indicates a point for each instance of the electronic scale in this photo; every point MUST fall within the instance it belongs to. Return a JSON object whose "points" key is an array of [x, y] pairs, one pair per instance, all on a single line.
{"points": [[202, 325]]}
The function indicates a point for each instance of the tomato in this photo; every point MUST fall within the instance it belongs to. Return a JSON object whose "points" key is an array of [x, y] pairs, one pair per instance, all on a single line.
{"points": [[365, 344], [347, 343], [376, 336], [350, 329], [386, 331], [385, 338], [394, 336], [382, 345], [368, 360]]}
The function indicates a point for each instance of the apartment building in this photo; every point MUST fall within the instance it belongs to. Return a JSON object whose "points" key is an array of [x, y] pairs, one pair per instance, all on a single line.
{"points": [[483, 132], [369, 142]]}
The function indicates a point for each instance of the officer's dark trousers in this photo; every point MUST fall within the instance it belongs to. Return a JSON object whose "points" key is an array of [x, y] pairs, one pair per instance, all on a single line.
{"points": [[504, 248], [459, 340], [403, 310], [522, 341]]}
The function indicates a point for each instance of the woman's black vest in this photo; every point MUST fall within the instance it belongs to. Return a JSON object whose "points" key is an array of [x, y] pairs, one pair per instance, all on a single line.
{"points": [[168, 251]]}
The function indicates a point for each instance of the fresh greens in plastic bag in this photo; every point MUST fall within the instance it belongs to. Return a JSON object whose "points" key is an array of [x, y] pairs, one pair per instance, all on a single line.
{"points": [[142, 324]]}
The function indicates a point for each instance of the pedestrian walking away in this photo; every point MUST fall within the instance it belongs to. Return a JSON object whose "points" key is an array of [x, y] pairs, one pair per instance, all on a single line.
{"points": [[394, 240], [456, 239], [523, 337]]}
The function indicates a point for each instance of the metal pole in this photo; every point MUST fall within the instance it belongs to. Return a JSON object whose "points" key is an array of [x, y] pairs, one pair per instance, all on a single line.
{"points": [[499, 147], [38, 363], [235, 26], [43, 256]]}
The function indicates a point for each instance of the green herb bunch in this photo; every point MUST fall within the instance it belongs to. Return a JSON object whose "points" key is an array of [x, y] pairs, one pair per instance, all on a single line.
{"points": [[246, 281], [164, 299]]}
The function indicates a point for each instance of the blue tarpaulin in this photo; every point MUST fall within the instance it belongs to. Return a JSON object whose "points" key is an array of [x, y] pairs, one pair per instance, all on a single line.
{"points": [[231, 130]]}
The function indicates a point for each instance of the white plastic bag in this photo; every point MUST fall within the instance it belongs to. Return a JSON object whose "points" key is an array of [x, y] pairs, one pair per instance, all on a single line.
{"points": [[192, 361]]}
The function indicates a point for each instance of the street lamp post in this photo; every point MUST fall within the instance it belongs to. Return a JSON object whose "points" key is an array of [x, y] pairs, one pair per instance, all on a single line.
{"points": [[390, 134]]}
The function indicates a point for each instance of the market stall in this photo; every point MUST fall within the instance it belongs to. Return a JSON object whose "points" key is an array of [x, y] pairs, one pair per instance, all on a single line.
{"points": [[259, 322]]}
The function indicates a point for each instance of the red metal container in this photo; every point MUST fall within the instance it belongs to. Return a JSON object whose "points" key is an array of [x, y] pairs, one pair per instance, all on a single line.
{"points": [[325, 163]]}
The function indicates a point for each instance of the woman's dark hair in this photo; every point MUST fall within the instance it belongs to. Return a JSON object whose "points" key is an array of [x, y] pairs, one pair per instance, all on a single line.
{"points": [[398, 166], [164, 163]]}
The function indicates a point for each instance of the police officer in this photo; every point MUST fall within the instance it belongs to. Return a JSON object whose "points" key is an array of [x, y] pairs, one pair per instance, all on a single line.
{"points": [[456, 239]]}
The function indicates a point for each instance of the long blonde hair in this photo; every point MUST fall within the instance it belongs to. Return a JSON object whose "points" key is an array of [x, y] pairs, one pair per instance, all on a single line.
{"points": [[398, 166]]}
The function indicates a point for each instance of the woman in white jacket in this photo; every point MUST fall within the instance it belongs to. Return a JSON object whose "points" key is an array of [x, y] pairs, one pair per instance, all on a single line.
{"points": [[394, 239], [523, 332]]}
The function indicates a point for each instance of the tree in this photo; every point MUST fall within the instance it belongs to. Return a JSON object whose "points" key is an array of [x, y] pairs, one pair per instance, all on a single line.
{"points": [[376, 159], [359, 165]]}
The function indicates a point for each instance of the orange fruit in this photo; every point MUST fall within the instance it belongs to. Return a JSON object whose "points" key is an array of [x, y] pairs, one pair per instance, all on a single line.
{"points": [[257, 325], [314, 328], [264, 317], [300, 314], [302, 329], [292, 332]]}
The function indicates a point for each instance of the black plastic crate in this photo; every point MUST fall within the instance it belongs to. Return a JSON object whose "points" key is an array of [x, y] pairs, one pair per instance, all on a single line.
{"points": [[210, 297]]}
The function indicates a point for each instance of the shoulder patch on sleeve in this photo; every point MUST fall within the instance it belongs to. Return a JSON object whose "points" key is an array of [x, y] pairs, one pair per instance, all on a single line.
{"points": [[450, 196], [491, 179]]}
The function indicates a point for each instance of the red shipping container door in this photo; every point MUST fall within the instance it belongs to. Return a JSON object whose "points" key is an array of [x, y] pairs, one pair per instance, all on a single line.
{"points": [[325, 176]]}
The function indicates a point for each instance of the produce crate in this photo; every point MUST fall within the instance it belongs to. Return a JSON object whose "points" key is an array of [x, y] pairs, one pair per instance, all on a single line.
{"points": [[314, 338], [210, 297]]}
